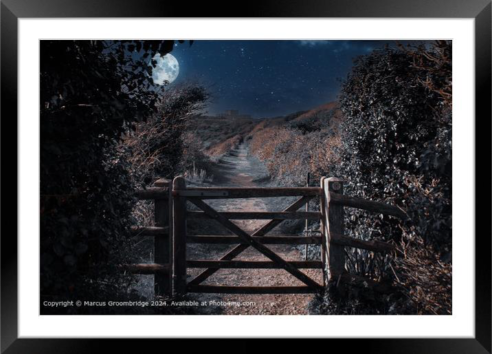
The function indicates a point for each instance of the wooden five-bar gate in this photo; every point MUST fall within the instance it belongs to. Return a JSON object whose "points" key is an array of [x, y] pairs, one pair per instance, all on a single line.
{"points": [[170, 235]]}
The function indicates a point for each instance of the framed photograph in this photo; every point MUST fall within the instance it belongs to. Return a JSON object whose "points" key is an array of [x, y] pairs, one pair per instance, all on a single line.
{"points": [[306, 170]]}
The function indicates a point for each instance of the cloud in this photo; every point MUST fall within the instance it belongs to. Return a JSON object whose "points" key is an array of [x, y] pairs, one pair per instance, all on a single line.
{"points": [[313, 43], [335, 46], [343, 46]]}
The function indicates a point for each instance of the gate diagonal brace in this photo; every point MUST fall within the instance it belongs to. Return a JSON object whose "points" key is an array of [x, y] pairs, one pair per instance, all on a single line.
{"points": [[236, 251], [258, 246]]}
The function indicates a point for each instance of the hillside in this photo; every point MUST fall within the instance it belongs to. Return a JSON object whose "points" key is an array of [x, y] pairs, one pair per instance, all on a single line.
{"points": [[290, 146], [294, 145], [218, 135]]}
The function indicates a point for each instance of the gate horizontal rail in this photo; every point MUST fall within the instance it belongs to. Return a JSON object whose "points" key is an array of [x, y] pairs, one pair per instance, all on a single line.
{"points": [[369, 205], [224, 193], [375, 246], [146, 268], [252, 264], [266, 240], [259, 215], [150, 231], [153, 193]]}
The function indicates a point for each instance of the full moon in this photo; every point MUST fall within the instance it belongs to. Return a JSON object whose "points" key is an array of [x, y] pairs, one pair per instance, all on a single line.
{"points": [[166, 70]]}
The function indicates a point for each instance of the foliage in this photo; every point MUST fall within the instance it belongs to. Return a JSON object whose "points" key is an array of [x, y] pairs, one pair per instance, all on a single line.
{"points": [[91, 92], [397, 136], [396, 147], [160, 146], [295, 146]]}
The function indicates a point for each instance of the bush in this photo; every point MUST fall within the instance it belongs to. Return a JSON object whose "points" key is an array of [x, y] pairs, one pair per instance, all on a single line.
{"points": [[396, 147], [91, 92], [397, 136], [160, 147], [294, 147]]}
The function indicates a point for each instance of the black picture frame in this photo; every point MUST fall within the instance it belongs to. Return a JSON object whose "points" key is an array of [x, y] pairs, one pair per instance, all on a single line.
{"points": [[13, 10]]}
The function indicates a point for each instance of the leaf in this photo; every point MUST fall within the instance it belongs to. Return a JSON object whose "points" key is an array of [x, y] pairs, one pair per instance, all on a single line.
{"points": [[81, 248], [70, 260], [58, 249], [46, 259], [166, 47]]}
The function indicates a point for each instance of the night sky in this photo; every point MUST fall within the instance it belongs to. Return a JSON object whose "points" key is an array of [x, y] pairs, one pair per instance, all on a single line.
{"points": [[268, 78]]}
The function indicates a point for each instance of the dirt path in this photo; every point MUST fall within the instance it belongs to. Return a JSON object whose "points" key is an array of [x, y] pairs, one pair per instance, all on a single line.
{"points": [[239, 169]]}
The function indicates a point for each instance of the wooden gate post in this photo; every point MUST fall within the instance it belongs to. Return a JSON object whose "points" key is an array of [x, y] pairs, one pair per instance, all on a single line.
{"points": [[332, 223], [163, 243], [179, 235], [324, 253]]}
